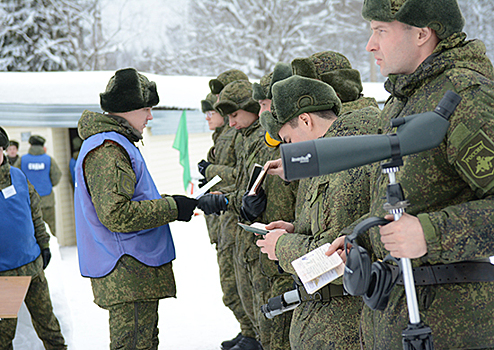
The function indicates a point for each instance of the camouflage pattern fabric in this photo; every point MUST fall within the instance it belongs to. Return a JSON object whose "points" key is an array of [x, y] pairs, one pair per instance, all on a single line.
{"points": [[38, 303], [325, 205], [47, 202], [451, 189], [134, 325], [259, 277]]}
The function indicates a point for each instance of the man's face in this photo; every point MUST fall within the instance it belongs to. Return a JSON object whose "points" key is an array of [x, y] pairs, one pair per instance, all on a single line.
{"points": [[138, 118], [394, 47], [265, 106], [298, 133], [11, 151], [215, 120], [241, 119], [1, 155]]}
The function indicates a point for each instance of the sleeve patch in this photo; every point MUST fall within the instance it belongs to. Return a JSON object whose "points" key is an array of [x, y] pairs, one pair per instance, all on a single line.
{"points": [[476, 160], [125, 184]]}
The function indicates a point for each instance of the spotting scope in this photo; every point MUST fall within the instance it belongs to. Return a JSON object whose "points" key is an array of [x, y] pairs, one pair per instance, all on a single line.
{"points": [[415, 133]]}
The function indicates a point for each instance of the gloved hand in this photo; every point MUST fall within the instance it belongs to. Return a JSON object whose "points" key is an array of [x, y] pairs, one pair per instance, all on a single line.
{"points": [[46, 255], [202, 182], [212, 203], [253, 206], [185, 206], [202, 166]]}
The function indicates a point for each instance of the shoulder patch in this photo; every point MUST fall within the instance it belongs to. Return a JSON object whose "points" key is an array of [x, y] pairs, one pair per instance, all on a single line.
{"points": [[476, 160], [125, 184]]}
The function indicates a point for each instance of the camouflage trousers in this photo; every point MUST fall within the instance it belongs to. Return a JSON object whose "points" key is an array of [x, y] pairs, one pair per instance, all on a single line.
{"points": [[38, 303], [459, 315], [258, 280], [332, 326], [134, 325], [49, 218], [231, 297]]}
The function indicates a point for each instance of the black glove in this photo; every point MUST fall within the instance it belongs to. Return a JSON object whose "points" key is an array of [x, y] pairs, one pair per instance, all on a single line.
{"points": [[202, 182], [202, 166], [253, 206], [46, 254], [185, 207], [212, 203]]}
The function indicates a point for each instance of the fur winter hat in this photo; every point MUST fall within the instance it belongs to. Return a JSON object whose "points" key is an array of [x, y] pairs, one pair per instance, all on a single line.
{"points": [[37, 140], [208, 103], [294, 96], [127, 91], [334, 69], [4, 139], [225, 78], [281, 71], [444, 16], [14, 143], [236, 95]]}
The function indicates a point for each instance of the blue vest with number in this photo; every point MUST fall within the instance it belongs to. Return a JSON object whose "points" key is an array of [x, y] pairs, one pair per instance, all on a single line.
{"points": [[37, 170], [99, 248], [18, 245]]}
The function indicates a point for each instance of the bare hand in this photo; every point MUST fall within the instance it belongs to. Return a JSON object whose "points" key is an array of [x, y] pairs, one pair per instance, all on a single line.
{"points": [[283, 225], [268, 244], [338, 246], [275, 167], [404, 238]]}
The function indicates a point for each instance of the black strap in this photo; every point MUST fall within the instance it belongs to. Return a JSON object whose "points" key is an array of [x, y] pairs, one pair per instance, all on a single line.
{"points": [[462, 272], [324, 294]]}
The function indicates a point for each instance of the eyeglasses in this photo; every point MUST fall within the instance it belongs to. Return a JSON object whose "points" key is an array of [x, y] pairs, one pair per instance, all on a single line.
{"points": [[209, 114]]}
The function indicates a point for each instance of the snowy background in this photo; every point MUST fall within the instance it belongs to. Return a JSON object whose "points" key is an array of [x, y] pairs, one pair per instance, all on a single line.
{"points": [[195, 320]]}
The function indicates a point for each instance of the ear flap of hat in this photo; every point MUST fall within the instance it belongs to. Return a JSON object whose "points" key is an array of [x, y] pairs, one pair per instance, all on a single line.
{"points": [[271, 125], [216, 86], [258, 92], [37, 140], [346, 83], [4, 138], [377, 10], [226, 107], [251, 106], [304, 67], [207, 104]]}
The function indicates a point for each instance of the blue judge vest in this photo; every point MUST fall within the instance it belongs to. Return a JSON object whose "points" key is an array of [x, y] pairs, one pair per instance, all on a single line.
{"points": [[99, 248], [37, 170], [18, 245]]}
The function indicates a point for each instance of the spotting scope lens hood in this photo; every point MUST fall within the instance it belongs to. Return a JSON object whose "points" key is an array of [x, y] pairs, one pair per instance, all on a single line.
{"points": [[415, 133]]}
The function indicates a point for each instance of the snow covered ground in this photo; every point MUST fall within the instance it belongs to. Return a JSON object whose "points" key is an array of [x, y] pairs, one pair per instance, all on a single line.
{"points": [[196, 319]]}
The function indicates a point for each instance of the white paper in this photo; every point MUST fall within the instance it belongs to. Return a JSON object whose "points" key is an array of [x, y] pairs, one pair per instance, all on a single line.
{"points": [[207, 186], [315, 269]]}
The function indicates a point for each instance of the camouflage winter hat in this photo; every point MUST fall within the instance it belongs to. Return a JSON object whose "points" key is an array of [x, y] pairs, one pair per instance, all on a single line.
{"points": [[334, 69], [281, 71], [225, 78], [236, 95], [260, 90], [37, 140], [127, 91], [208, 103], [4, 139], [444, 16], [294, 96]]}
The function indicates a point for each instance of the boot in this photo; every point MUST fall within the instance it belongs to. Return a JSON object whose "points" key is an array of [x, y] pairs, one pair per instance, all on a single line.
{"points": [[247, 343], [228, 344]]}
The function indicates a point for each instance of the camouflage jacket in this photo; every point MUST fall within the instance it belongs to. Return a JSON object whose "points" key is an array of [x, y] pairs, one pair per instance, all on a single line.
{"points": [[450, 187], [40, 233], [222, 156], [329, 203], [55, 174], [104, 167]]}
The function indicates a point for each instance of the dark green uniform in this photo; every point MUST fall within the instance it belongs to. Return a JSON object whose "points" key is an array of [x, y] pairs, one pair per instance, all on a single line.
{"points": [[450, 189], [222, 228], [325, 205], [258, 277], [47, 202], [37, 298], [132, 290]]}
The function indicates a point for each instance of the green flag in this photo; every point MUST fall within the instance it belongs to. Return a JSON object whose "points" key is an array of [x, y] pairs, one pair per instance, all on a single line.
{"points": [[181, 144]]}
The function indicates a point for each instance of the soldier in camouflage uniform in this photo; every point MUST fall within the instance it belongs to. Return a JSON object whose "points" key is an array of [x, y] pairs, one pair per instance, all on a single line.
{"points": [[221, 161], [24, 251], [258, 278], [42, 176], [420, 47], [325, 205], [123, 240]]}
